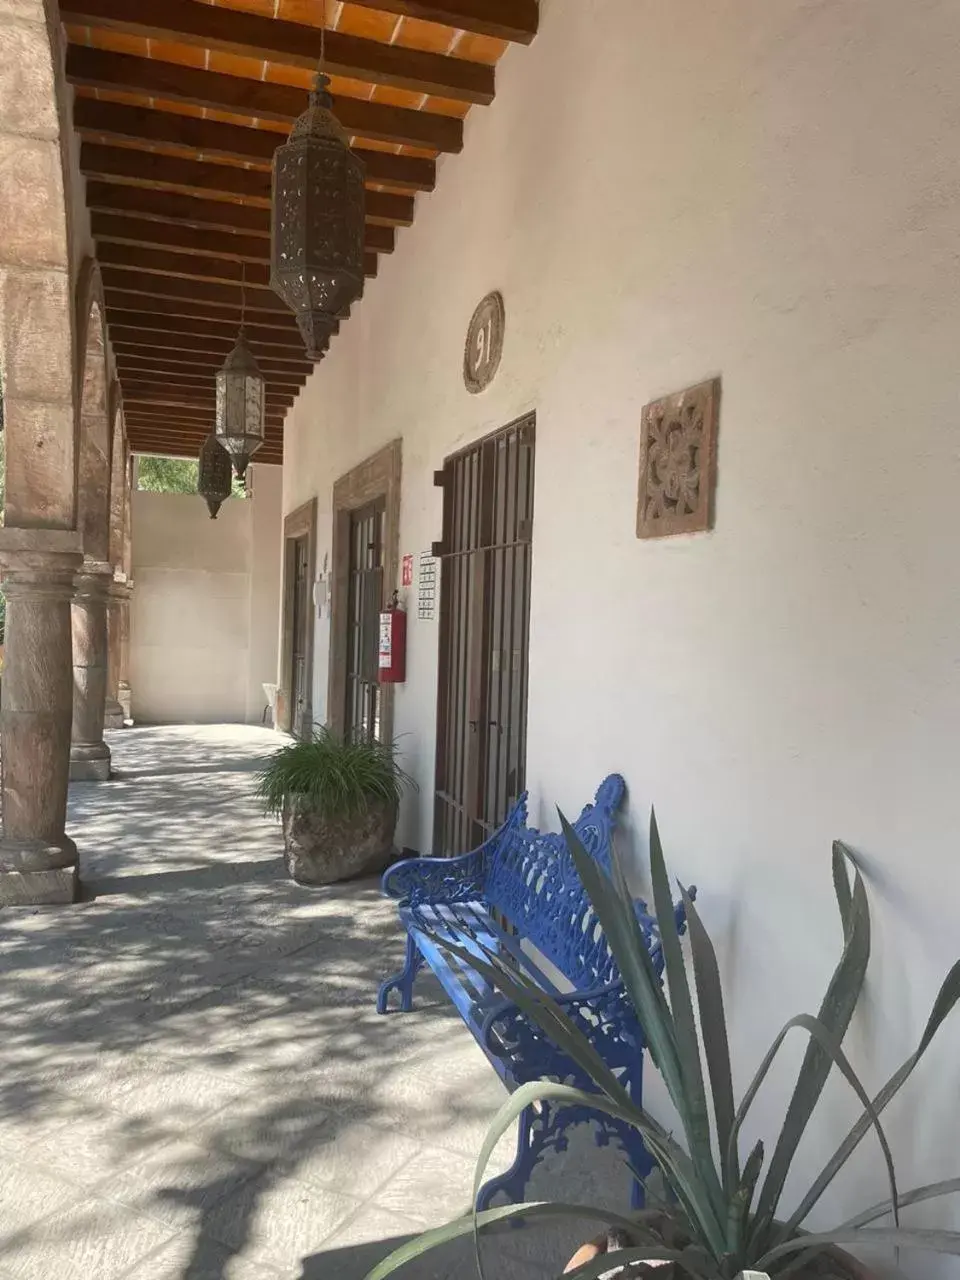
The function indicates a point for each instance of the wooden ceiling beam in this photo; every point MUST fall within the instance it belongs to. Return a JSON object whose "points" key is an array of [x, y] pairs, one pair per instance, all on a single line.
{"points": [[143, 350], [188, 444], [259, 99], [227, 330], [253, 276], [121, 299], [217, 348], [160, 286], [174, 375], [179, 432], [177, 207], [513, 20], [177, 381], [291, 44], [146, 394], [147, 388], [150, 169], [121, 229], [185, 422], [193, 415], [177, 420], [217, 140], [171, 286]]}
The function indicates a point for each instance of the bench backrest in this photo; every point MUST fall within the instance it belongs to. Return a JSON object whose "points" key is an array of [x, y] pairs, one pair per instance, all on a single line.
{"points": [[532, 881]]}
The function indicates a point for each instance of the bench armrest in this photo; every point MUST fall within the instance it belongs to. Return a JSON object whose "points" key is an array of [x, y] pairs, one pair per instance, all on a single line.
{"points": [[439, 880], [603, 1015]]}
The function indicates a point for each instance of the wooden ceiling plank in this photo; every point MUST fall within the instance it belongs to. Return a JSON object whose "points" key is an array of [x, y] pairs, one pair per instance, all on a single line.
{"points": [[212, 344], [121, 229], [191, 415], [102, 69], [198, 291], [173, 375], [255, 276], [229, 141], [292, 44], [183, 325], [144, 350], [153, 170], [145, 393], [171, 206], [513, 20], [124, 299]]}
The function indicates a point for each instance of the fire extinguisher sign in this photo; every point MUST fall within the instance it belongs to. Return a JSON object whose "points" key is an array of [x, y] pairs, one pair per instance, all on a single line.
{"points": [[406, 579]]}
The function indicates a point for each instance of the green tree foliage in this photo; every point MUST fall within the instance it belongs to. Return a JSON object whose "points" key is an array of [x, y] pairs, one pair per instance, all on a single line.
{"points": [[174, 475], [167, 475]]}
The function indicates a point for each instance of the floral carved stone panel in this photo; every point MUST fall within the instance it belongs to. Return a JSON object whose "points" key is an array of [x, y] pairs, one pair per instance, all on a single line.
{"points": [[678, 462]]}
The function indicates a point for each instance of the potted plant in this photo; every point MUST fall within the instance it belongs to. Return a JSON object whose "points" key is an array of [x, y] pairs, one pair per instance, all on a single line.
{"points": [[716, 1211], [338, 803]]}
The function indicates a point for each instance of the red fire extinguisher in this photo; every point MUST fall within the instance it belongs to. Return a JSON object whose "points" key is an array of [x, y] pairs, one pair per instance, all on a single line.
{"points": [[393, 643]]}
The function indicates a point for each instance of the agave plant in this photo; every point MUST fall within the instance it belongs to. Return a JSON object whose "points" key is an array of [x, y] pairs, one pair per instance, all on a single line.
{"points": [[720, 1215]]}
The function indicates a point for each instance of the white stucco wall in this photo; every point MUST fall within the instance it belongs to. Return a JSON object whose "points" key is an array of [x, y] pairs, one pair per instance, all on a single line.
{"points": [[665, 191], [266, 553], [205, 605]]}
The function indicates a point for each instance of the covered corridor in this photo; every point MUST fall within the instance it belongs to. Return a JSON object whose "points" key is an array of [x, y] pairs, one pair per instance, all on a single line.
{"points": [[194, 1084]]}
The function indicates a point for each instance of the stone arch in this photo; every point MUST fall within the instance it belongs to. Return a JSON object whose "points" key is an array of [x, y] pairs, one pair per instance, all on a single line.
{"points": [[36, 331], [118, 476], [97, 399]]}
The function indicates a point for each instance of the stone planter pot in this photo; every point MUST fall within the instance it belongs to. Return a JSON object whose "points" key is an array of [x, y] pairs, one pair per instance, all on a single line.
{"points": [[322, 851], [835, 1266]]}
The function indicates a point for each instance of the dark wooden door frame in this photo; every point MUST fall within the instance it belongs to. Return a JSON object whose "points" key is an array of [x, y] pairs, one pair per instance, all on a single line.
{"points": [[377, 477], [475, 532], [300, 523]]}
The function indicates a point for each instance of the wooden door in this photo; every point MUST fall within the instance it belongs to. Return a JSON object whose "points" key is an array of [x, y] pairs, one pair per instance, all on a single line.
{"points": [[301, 699], [362, 718], [484, 636]]}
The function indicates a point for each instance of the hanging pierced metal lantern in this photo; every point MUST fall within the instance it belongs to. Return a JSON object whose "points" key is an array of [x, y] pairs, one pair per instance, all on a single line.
{"points": [[241, 405], [214, 479], [318, 222]]}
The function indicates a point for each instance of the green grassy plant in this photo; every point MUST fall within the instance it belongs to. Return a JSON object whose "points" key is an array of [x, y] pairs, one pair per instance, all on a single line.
{"points": [[330, 777]]}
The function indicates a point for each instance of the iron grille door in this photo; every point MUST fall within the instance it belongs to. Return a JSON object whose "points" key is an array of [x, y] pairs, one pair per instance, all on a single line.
{"points": [[301, 621], [362, 719], [484, 636]]}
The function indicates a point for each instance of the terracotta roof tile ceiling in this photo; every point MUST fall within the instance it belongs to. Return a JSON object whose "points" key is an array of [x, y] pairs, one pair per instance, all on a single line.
{"points": [[179, 107]]}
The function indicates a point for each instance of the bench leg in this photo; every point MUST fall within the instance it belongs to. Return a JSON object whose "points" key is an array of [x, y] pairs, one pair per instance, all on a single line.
{"points": [[512, 1185], [402, 981], [545, 1130]]}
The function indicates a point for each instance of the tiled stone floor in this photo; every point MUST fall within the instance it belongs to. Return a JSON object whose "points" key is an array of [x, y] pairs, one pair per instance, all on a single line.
{"points": [[194, 1084]]}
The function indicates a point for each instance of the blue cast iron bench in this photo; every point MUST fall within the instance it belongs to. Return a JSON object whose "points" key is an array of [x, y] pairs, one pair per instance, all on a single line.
{"points": [[529, 879]]}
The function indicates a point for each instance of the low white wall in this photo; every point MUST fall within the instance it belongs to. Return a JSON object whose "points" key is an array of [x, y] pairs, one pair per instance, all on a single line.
{"points": [[205, 605], [664, 191]]}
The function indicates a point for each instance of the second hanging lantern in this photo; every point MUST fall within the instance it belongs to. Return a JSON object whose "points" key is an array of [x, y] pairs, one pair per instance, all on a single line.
{"points": [[241, 400]]}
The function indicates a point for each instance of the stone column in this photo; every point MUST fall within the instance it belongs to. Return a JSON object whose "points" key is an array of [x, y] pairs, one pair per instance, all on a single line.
{"points": [[89, 754], [125, 694], [38, 861], [113, 714]]}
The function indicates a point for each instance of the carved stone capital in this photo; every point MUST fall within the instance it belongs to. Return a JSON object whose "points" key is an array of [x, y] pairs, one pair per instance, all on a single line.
{"points": [[39, 563]]}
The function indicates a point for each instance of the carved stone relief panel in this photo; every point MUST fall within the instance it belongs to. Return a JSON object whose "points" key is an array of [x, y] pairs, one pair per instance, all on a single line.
{"points": [[678, 462]]}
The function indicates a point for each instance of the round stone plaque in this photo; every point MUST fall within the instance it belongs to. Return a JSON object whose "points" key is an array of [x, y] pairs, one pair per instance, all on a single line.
{"points": [[481, 356]]}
